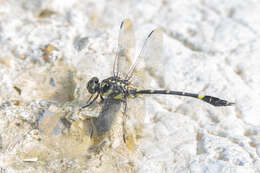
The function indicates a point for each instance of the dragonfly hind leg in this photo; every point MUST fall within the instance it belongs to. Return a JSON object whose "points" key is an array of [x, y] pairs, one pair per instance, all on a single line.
{"points": [[128, 136], [124, 120]]}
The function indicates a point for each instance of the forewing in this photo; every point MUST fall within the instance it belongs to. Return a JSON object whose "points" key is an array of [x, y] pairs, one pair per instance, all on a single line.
{"points": [[149, 58], [105, 120], [126, 49]]}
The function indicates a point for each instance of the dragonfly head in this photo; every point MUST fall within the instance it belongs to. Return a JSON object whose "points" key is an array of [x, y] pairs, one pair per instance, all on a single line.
{"points": [[93, 85]]}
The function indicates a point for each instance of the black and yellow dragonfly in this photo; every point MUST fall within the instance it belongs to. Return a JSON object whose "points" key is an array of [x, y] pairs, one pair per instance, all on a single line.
{"points": [[115, 90]]}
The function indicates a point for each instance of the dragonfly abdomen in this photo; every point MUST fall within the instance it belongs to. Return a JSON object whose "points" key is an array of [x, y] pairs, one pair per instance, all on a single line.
{"points": [[209, 99]]}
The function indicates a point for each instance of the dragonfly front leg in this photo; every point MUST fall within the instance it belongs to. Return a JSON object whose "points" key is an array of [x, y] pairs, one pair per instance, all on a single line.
{"points": [[89, 102]]}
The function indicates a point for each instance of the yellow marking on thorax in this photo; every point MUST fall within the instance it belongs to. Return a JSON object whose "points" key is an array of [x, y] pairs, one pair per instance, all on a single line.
{"points": [[119, 96], [108, 92], [168, 91], [200, 96]]}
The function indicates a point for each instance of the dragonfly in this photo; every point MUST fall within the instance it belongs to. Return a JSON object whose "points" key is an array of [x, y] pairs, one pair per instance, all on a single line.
{"points": [[115, 90]]}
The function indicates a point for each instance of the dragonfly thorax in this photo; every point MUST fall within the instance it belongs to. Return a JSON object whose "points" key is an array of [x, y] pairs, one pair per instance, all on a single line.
{"points": [[113, 87]]}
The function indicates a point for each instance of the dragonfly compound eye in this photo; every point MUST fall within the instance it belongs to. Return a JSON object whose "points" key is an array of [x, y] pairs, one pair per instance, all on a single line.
{"points": [[93, 85]]}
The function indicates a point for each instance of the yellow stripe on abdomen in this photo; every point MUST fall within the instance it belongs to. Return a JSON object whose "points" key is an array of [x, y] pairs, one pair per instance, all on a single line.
{"points": [[200, 96]]}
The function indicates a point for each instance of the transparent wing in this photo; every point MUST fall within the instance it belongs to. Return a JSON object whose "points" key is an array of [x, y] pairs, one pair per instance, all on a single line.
{"points": [[150, 56], [136, 113], [106, 117], [126, 49]]}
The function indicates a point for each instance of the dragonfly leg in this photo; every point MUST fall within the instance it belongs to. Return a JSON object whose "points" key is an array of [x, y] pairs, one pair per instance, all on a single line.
{"points": [[89, 102], [124, 120]]}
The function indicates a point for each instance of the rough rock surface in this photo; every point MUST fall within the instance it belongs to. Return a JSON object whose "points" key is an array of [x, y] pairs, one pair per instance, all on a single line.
{"points": [[50, 49]]}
